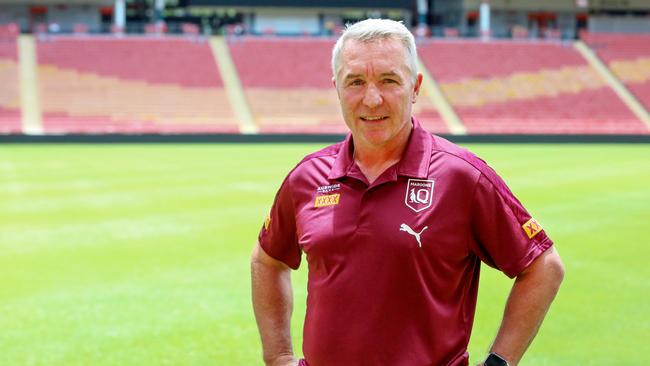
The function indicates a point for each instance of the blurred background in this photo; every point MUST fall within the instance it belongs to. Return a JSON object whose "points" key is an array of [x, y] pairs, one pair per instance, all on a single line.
{"points": [[208, 66], [130, 253]]}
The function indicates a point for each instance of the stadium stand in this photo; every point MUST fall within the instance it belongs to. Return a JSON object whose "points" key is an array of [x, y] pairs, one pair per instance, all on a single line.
{"points": [[171, 84], [628, 56], [287, 83], [131, 85], [525, 87], [10, 114]]}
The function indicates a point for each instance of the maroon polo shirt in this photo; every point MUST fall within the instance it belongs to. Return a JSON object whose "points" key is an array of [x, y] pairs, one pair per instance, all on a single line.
{"points": [[394, 265]]}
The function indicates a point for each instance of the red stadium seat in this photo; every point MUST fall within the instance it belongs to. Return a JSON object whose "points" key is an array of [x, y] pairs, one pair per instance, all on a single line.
{"points": [[628, 55], [80, 28], [288, 85], [525, 87], [10, 113], [190, 28], [132, 85], [9, 30]]}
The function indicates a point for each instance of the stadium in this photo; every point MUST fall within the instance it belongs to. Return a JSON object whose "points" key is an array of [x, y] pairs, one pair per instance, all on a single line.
{"points": [[142, 143]]}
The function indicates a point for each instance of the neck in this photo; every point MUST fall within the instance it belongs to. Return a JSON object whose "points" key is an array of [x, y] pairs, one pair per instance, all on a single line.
{"points": [[374, 160]]}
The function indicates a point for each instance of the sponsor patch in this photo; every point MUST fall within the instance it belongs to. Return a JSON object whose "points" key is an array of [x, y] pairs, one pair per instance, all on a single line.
{"points": [[532, 228], [419, 194], [328, 189], [328, 200]]}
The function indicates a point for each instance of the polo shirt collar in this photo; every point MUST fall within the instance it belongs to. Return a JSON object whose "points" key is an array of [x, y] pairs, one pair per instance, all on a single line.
{"points": [[415, 165], [417, 153]]}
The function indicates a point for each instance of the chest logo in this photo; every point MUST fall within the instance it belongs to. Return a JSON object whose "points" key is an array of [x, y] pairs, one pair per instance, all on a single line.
{"points": [[328, 189], [408, 229], [328, 200], [419, 194]]}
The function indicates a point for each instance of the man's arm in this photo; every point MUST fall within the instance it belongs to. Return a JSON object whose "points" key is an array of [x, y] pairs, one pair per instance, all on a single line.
{"points": [[529, 300], [273, 305]]}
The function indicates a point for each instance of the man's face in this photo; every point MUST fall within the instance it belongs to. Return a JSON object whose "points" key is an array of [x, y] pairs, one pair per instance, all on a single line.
{"points": [[376, 90]]}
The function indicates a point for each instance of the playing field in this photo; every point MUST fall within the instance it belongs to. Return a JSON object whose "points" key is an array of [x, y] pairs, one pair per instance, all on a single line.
{"points": [[138, 254]]}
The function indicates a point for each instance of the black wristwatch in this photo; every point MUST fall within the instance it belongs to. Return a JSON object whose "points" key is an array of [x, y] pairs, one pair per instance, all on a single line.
{"points": [[495, 360]]}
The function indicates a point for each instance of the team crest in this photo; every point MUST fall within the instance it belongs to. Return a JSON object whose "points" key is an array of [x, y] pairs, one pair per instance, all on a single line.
{"points": [[419, 194]]}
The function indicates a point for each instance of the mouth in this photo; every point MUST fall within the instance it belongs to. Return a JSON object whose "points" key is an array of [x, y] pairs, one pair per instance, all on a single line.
{"points": [[373, 118]]}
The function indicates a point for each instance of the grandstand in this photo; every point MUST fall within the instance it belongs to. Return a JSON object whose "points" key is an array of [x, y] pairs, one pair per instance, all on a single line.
{"points": [[260, 67], [95, 84], [526, 87], [628, 56], [10, 111], [143, 85], [288, 96]]}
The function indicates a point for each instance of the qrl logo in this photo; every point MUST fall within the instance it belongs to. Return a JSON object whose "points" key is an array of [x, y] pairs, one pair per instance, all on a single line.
{"points": [[422, 196], [419, 194]]}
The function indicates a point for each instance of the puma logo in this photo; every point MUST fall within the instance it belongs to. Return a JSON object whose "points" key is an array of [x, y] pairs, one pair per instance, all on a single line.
{"points": [[408, 229]]}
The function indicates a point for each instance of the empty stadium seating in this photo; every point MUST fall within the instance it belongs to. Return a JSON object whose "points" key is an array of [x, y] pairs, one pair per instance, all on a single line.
{"points": [[628, 56], [132, 85], [165, 84], [518, 87], [287, 83], [10, 114]]}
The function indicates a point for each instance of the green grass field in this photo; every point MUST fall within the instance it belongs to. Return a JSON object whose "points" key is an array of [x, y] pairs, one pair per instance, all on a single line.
{"points": [[138, 254]]}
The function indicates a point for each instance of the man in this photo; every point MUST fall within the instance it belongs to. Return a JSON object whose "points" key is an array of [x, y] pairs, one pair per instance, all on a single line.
{"points": [[394, 223]]}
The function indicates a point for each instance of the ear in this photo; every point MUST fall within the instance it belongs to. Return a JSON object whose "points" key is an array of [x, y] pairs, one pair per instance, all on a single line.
{"points": [[416, 87], [335, 88]]}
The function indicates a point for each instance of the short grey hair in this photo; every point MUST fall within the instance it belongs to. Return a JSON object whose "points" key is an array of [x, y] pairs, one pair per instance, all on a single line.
{"points": [[374, 29]]}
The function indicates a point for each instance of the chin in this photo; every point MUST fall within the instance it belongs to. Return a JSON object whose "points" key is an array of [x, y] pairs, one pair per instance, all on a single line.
{"points": [[376, 138]]}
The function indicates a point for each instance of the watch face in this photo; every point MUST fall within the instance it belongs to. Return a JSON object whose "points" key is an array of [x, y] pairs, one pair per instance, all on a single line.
{"points": [[495, 360]]}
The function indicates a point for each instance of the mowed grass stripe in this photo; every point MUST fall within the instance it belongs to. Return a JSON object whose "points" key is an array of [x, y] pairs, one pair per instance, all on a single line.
{"points": [[594, 202], [138, 254]]}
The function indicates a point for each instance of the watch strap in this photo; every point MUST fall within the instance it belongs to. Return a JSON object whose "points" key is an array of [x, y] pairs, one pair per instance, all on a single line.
{"points": [[494, 359]]}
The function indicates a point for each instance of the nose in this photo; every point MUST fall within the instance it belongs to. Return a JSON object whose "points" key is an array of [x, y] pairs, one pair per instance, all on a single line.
{"points": [[372, 97]]}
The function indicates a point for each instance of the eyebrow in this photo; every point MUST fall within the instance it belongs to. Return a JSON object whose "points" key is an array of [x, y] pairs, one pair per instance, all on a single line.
{"points": [[384, 74], [352, 76], [390, 73]]}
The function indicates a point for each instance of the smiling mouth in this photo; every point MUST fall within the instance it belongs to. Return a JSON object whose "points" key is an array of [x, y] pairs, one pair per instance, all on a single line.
{"points": [[374, 118]]}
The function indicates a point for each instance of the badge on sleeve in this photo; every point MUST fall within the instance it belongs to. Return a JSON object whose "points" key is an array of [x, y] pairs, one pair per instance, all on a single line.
{"points": [[532, 228], [419, 194]]}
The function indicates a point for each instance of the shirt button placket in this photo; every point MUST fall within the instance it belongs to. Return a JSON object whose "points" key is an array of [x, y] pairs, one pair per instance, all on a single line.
{"points": [[364, 207]]}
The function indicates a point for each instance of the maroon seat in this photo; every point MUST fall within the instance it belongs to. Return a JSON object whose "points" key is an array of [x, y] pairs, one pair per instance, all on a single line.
{"points": [[525, 87], [10, 114], [134, 84], [288, 85], [628, 55]]}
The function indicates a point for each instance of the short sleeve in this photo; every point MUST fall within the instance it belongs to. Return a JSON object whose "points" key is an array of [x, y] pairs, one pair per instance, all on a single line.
{"points": [[278, 235], [505, 236]]}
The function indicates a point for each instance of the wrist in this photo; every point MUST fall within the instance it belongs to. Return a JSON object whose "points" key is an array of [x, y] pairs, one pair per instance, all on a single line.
{"points": [[494, 359], [282, 360]]}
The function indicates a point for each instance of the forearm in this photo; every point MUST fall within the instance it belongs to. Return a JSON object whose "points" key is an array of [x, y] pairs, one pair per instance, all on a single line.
{"points": [[528, 303], [273, 304]]}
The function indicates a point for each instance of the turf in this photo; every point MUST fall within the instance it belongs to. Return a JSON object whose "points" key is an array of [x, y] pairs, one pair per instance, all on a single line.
{"points": [[138, 255]]}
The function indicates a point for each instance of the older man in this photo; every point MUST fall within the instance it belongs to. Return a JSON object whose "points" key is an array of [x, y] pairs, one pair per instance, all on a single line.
{"points": [[394, 223]]}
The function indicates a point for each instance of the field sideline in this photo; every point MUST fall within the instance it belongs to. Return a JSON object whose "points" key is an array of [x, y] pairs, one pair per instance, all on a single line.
{"points": [[138, 254]]}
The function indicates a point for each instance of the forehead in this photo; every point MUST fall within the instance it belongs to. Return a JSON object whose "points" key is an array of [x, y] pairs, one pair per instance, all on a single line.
{"points": [[380, 55]]}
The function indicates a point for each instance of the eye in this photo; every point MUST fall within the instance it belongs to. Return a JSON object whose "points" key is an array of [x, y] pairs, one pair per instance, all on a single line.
{"points": [[390, 81], [355, 82]]}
